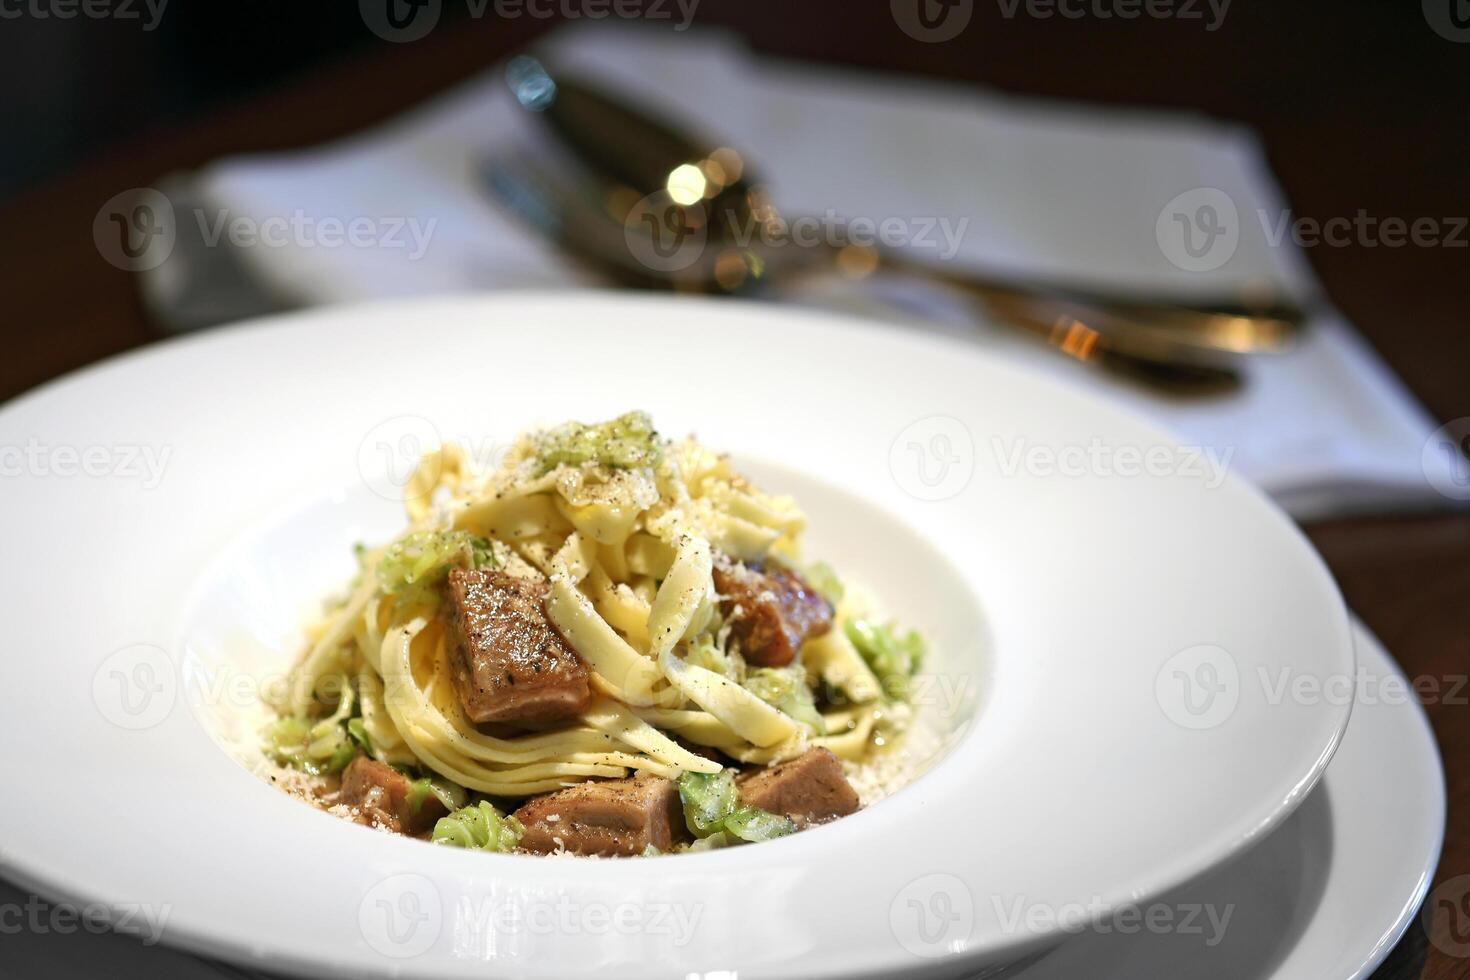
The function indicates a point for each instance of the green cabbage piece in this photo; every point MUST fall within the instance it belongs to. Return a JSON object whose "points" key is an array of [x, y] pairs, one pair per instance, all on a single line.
{"points": [[414, 565], [754, 825], [447, 793], [893, 658], [704, 652], [315, 746], [358, 733], [708, 798], [626, 442], [712, 808], [786, 690], [479, 827]]}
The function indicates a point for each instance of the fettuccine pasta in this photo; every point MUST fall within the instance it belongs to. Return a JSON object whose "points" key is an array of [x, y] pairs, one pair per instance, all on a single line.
{"points": [[603, 610]]}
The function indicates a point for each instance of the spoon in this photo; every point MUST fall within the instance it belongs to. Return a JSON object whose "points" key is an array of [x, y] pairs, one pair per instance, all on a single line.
{"points": [[692, 218], [582, 226]]}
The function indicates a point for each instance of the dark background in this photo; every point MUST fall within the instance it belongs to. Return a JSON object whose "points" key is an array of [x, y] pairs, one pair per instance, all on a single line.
{"points": [[1361, 105]]}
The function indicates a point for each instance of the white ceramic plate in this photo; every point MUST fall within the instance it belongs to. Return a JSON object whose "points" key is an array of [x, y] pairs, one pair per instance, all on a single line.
{"points": [[1330, 892], [1120, 618], [1327, 894]]}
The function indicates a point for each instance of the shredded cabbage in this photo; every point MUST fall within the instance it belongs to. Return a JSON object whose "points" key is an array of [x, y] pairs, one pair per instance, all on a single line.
{"points": [[713, 811], [754, 825], [893, 658], [786, 690], [479, 827], [450, 794], [358, 732], [626, 442], [704, 652], [708, 799], [412, 566], [315, 747]]}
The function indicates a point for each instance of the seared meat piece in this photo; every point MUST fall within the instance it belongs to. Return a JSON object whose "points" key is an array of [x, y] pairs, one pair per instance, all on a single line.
{"points": [[808, 789], [619, 817], [383, 797], [772, 611], [510, 664]]}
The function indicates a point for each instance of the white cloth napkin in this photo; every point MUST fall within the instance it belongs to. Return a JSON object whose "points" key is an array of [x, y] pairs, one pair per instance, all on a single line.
{"points": [[1039, 188]]}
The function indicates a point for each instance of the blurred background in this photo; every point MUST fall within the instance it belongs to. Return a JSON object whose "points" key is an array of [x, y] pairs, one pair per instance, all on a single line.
{"points": [[1314, 114], [1358, 105]]}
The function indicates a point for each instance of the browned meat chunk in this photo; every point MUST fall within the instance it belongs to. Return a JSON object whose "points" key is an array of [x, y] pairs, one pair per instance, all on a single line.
{"points": [[511, 666], [771, 611], [619, 817], [808, 789], [384, 797]]}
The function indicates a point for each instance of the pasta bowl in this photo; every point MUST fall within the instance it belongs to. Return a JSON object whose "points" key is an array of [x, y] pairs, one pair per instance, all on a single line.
{"points": [[1132, 652]]}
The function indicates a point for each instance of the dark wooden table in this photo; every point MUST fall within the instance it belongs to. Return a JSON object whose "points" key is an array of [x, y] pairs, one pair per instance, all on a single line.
{"points": [[1360, 105]]}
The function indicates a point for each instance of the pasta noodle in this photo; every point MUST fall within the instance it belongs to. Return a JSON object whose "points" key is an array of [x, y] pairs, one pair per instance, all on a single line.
{"points": [[626, 540]]}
